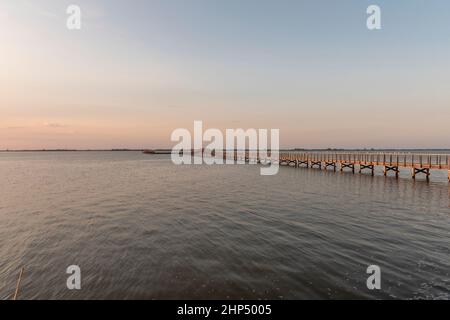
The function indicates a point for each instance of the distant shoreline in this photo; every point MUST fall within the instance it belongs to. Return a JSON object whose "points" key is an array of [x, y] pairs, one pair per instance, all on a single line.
{"points": [[169, 150], [73, 150]]}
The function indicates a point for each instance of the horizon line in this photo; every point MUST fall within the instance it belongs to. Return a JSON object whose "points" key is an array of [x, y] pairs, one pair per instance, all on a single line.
{"points": [[168, 149]]}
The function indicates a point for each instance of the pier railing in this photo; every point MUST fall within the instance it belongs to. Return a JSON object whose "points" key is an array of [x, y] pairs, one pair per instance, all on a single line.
{"points": [[392, 162], [406, 160], [419, 163]]}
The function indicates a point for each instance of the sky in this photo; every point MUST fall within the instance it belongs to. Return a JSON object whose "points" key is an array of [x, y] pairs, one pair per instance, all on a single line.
{"points": [[137, 70]]}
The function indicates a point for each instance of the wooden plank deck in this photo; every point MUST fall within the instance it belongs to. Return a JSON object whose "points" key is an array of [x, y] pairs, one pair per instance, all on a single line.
{"points": [[402, 160], [418, 163]]}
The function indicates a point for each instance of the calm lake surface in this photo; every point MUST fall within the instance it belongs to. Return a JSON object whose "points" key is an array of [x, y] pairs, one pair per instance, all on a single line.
{"points": [[140, 227]]}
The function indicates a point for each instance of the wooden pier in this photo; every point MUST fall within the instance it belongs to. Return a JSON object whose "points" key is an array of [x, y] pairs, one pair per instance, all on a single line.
{"points": [[391, 162], [364, 162]]}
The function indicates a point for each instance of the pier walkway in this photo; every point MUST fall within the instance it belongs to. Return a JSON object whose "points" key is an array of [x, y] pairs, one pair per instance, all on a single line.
{"points": [[363, 162]]}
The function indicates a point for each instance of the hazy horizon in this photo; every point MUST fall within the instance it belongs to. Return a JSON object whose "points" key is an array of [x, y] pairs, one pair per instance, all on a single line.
{"points": [[137, 71], [281, 149]]}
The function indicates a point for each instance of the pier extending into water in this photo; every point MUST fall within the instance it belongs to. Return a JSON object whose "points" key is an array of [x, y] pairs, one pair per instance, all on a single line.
{"points": [[391, 162], [418, 164]]}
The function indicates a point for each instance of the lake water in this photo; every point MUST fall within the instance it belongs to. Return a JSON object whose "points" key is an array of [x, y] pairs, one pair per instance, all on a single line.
{"points": [[140, 227]]}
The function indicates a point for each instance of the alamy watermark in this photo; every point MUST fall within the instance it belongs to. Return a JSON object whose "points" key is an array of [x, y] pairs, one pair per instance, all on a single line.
{"points": [[237, 146], [73, 21], [74, 17], [74, 280], [374, 280], [374, 20]]}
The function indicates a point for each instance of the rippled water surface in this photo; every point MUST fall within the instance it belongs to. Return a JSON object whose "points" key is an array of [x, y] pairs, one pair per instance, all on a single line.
{"points": [[140, 227]]}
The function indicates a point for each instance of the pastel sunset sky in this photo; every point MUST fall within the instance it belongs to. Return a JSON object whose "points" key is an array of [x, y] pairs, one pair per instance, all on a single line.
{"points": [[138, 69]]}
